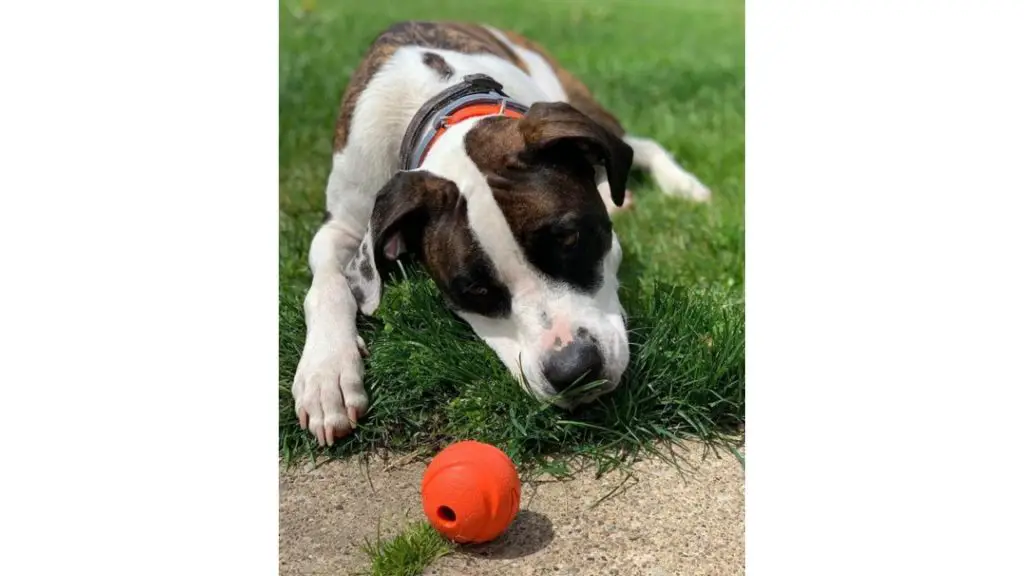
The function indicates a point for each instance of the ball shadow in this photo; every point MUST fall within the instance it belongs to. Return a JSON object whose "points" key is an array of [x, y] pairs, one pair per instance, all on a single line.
{"points": [[530, 533]]}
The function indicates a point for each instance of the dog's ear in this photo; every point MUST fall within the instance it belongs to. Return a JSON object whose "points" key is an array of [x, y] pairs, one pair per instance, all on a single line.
{"points": [[402, 211], [557, 126]]}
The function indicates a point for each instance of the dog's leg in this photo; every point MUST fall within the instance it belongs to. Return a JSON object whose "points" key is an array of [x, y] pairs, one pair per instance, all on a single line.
{"points": [[667, 173], [328, 387]]}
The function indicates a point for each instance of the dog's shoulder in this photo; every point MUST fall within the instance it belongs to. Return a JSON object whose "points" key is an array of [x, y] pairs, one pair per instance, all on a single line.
{"points": [[466, 38]]}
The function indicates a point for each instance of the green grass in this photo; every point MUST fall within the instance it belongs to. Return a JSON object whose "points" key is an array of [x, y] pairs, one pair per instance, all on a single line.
{"points": [[408, 553], [673, 71]]}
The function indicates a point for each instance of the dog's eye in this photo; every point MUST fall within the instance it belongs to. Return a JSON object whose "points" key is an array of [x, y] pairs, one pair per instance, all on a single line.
{"points": [[476, 290], [569, 241]]}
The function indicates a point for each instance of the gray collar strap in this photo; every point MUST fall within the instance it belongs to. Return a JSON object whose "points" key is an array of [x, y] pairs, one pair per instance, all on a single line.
{"points": [[433, 116]]}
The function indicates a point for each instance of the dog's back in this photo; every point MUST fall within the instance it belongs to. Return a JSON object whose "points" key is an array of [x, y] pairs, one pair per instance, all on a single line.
{"points": [[555, 82]]}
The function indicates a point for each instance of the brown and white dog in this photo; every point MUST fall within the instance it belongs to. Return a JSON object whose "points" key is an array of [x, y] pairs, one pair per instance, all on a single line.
{"points": [[473, 150]]}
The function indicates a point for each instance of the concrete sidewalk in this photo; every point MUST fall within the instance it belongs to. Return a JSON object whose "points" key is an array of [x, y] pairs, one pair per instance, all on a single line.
{"points": [[660, 523]]}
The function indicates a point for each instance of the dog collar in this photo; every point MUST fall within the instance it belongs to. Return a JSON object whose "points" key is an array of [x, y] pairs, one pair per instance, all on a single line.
{"points": [[477, 95]]}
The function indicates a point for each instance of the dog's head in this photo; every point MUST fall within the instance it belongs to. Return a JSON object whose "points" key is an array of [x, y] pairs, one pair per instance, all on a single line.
{"points": [[506, 217]]}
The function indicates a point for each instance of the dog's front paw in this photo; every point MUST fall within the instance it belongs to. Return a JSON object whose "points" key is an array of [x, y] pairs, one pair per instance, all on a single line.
{"points": [[328, 390]]}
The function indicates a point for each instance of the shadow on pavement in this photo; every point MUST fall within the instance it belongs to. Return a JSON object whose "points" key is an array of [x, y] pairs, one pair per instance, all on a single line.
{"points": [[530, 533]]}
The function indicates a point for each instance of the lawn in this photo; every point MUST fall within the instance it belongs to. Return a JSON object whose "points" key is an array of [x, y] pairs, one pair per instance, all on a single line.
{"points": [[673, 71]]}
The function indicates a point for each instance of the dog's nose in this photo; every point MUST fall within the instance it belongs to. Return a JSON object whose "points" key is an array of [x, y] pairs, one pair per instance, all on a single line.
{"points": [[579, 362]]}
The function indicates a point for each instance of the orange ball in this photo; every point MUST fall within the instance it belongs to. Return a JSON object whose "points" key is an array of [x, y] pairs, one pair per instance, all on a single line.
{"points": [[470, 492]]}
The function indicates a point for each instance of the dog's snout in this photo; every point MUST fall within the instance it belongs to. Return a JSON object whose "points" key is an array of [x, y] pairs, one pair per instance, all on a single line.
{"points": [[577, 363]]}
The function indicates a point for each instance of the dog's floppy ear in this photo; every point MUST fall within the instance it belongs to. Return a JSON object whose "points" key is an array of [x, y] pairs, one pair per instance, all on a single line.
{"points": [[404, 207], [549, 124]]}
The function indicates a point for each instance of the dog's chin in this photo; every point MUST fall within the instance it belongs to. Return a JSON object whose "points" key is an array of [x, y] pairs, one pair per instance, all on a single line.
{"points": [[593, 395], [570, 402]]}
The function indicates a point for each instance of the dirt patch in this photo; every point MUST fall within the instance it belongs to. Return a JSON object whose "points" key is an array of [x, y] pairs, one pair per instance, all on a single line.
{"points": [[660, 522]]}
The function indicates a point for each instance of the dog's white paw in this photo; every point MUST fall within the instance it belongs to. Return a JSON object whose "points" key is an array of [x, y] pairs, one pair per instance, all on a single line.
{"points": [[675, 181], [328, 390]]}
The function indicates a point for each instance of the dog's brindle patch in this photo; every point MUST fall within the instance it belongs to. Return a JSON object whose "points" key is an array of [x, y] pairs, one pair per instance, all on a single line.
{"points": [[430, 214], [435, 61], [460, 268], [366, 269], [547, 199], [459, 37]]}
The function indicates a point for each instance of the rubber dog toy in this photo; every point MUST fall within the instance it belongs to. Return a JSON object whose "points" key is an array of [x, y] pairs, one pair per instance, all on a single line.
{"points": [[470, 492]]}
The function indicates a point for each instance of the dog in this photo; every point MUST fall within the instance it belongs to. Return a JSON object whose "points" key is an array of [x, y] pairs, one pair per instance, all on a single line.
{"points": [[472, 150]]}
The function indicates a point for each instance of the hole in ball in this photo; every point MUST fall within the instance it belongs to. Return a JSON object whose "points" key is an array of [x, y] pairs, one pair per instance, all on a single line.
{"points": [[446, 514]]}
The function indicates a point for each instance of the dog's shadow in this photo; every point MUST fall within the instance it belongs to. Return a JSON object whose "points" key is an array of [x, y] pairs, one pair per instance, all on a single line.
{"points": [[529, 533]]}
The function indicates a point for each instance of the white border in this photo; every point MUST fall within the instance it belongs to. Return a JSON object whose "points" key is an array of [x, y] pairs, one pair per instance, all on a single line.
{"points": [[884, 253], [139, 226]]}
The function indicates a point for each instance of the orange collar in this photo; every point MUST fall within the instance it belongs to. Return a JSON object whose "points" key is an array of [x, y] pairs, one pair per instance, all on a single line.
{"points": [[467, 112], [475, 96]]}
